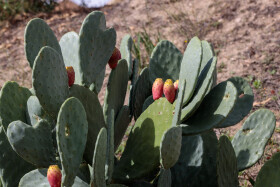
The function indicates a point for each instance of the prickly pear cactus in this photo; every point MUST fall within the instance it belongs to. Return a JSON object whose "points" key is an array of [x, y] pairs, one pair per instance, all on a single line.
{"points": [[54, 123]]}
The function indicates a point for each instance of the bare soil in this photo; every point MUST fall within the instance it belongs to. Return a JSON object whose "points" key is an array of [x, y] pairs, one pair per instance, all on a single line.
{"points": [[244, 33]]}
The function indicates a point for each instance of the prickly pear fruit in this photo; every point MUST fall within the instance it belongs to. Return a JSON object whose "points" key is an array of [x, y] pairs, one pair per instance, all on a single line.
{"points": [[176, 83], [157, 88], [71, 75], [116, 56], [54, 176], [169, 90]]}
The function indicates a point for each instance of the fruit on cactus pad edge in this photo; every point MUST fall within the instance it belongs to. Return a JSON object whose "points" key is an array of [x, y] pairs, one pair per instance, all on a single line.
{"points": [[71, 75], [116, 56], [169, 90], [54, 176], [157, 89], [176, 83]]}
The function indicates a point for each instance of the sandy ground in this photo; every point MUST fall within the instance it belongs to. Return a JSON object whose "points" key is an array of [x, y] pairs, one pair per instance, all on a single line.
{"points": [[244, 33]]}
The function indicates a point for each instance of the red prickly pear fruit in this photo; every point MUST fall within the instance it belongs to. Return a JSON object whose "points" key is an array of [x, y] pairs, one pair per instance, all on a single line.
{"points": [[54, 176], [157, 88], [116, 56], [71, 75], [176, 83], [169, 90]]}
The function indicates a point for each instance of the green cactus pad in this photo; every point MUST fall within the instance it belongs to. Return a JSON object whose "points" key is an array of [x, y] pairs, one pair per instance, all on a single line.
{"points": [[179, 104], [170, 147], [140, 92], [196, 166], [84, 172], [69, 44], [207, 54], [13, 100], [204, 80], [37, 35], [50, 80], [213, 110], [165, 62], [39, 178], [96, 47], [164, 178], [249, 142], [71, 135], [121, 125], [244, 102], [190, 67], [34, 111], [125, 49], [94, 113], [142, 152], [33, 143], [109, 167], [147, 103], [226, 164], [9, 159], [99, 160], [269, 174], [135, 70], [116, 89]]}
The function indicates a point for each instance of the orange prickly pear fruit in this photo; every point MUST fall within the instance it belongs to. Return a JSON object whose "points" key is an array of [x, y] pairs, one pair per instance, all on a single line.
{"points": [[169, 90], [116, 56], [157, 88], [176, 83], [54, 176], [71, 75]]}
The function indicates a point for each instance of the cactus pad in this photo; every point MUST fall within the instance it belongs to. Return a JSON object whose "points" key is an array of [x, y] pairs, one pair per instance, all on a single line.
{"points": [[13, 100], [109, 167], [116, 89], [269, 174], [99, 160], [71, 135], [249, 142], [96, 47], [140, 92], [121, 124], [190, 67], [39, 178], [32, 143], [37, 35], [34, 111], [135, 70], [125, 49], [226, 164], [164, 178], [94, 113], [9, 159], [196, 166], [204, 80], [170, 147], [142, 153], [69, 44], [244, 102], [179, 104], [213, 110], [165, 62], [50, 80], [147, 103]]}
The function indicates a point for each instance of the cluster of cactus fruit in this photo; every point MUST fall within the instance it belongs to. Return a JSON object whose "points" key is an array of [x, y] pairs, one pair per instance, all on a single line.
{"points": [[60, 123]]}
